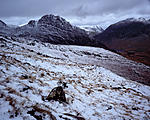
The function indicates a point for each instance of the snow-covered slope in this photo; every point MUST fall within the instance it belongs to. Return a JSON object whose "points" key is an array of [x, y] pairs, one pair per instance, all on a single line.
{"points": [[30, 70], [88, 28], [92, 30]]}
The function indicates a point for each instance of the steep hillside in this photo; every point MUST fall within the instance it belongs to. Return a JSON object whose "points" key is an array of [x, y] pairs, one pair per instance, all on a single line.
{"points": [[130, 38], [30, 70]]}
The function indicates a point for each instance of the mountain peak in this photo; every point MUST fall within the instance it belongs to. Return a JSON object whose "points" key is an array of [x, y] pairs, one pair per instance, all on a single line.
{"points": [[49, 28], [32, 23], [129, 38], [53, 20], [2, 24]]}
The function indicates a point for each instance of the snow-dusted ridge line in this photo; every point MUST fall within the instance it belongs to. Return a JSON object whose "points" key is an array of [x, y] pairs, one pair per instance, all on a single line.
{"points": [[129, 20]]}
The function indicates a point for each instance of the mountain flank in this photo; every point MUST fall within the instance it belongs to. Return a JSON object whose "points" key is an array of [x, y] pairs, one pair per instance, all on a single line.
{"points": [[50, 29], [130, 38]]}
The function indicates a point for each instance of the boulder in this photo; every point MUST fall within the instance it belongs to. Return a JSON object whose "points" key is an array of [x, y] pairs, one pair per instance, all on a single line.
{"points": [[57, 94]]}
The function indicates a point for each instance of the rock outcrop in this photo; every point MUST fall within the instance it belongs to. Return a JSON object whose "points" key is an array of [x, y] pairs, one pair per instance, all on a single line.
{"points": [[57, 94]]}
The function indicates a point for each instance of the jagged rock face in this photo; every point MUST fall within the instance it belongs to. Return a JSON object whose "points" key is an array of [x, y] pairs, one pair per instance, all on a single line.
{"points": [[51, 29], [55, 21], [128, 36], [57, 30]]}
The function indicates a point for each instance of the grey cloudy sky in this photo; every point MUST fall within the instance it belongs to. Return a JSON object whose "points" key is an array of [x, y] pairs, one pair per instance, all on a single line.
{"points": [[78, 12]]}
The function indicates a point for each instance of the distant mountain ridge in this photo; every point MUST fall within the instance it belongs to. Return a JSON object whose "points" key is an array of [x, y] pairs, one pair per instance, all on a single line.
{"points": [[130, 38], [92, 30], [52, 29]]}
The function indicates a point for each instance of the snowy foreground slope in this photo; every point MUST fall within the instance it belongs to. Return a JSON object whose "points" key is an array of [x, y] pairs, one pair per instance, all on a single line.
{"points": [[29, 71]]}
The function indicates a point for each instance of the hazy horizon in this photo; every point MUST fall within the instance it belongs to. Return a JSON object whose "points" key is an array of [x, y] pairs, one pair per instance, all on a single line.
{"points": [[85, 12]]}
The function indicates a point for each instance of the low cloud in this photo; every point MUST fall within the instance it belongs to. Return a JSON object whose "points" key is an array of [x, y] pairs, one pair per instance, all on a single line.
{"points": [[76, 11]]}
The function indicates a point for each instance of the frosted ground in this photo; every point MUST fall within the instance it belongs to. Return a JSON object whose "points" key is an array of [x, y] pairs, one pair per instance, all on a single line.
{"points": [[30, 71]]}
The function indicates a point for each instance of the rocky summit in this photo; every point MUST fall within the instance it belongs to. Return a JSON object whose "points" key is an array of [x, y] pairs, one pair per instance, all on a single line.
{"points": [[50, 29], [55, 30]]}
